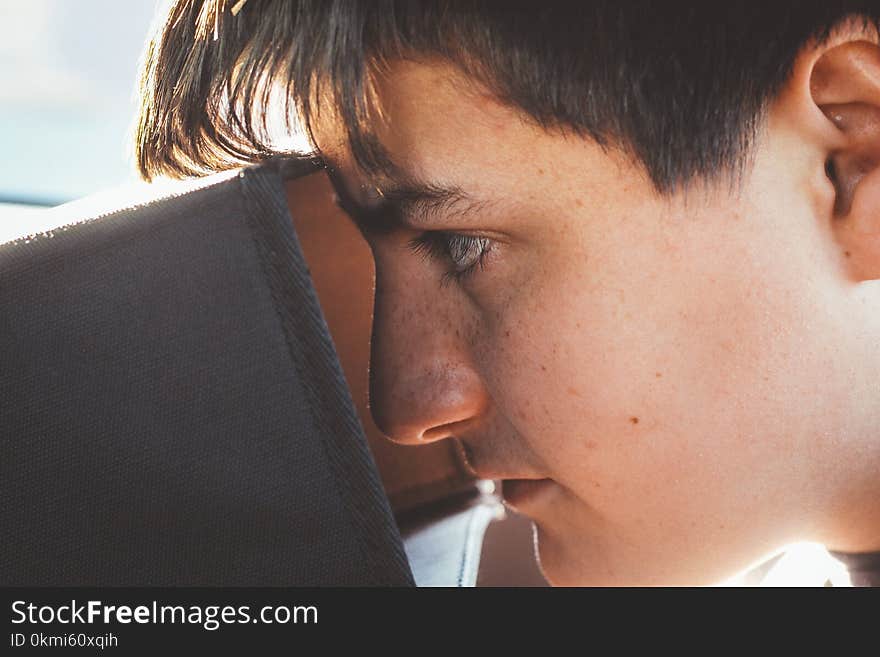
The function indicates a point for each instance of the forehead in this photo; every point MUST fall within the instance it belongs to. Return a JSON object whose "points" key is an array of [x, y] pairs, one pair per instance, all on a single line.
{"points": [[437, 124], [424, 116]]}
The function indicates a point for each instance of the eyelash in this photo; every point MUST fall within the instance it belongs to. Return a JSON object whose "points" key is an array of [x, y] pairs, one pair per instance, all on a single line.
{"points": [[440, 246]]}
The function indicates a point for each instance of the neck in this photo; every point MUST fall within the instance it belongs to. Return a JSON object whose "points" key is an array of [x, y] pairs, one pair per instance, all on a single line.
{"points": [[854, 513]]}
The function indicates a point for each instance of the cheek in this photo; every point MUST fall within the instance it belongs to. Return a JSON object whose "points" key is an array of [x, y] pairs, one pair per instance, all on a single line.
{"points": [[644, 392], [584, 395]]}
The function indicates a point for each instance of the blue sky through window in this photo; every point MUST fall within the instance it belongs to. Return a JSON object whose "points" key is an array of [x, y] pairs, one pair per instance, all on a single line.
{"points": [[68, 71]]}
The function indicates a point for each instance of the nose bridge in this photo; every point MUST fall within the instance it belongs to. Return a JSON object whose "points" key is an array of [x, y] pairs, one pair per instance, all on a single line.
{"points": [[423, 385]]}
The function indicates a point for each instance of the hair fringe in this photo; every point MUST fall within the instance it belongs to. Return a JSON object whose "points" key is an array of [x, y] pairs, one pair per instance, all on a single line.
{"points": [[210, 81]]}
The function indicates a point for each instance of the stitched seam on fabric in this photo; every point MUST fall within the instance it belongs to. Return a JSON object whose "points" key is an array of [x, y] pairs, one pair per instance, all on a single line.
{"points": [[356, 510], [42, 234], [293, 352]]}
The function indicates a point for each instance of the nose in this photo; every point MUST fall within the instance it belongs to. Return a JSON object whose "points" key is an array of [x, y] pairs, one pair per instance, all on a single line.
{"points": [[423, 384]]}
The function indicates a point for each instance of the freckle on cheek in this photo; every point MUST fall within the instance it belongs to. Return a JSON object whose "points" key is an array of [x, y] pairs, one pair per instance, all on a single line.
{"points": [[634, 420], [573, 391], [658, 375]]}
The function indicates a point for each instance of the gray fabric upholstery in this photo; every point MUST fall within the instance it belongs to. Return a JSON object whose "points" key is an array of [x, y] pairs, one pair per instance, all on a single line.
{"points": [[172, 411]]}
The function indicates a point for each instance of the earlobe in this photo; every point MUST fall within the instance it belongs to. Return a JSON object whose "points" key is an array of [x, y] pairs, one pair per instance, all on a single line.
{"points": [[845, 85]]}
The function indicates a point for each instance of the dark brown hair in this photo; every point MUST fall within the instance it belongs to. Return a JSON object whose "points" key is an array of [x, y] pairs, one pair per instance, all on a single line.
{"points": [[683, 86]]}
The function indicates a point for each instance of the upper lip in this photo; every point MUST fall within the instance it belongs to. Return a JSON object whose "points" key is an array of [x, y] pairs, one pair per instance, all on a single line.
{"points": [[482, 471], [491, 474]]}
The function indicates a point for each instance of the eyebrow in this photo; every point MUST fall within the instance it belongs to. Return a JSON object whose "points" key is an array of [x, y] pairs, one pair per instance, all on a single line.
{"points": [[406, 202], [418, 202]]}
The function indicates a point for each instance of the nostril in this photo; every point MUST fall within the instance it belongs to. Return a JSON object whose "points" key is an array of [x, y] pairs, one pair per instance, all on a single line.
{"points": [[448, 430], [434, 434]]}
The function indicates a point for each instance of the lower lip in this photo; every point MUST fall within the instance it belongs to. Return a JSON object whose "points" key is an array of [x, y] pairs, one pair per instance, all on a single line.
{"points": [[523, 494]]}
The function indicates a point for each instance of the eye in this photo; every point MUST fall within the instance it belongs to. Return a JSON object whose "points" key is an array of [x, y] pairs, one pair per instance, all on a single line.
{"points": [[462, 254]]}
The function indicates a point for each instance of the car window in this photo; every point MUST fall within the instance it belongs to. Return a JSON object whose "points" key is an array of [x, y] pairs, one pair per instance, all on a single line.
{"points": [[67, 98]]}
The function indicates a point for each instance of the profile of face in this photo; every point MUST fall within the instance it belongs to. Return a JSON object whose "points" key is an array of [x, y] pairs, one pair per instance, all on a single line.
{"points": [[692, 377]]}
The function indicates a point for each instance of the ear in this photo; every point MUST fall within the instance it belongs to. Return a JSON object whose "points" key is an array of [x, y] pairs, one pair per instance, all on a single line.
{"points": [[844, 83]]}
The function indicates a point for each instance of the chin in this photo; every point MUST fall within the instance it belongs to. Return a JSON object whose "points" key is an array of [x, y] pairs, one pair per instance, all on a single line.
{"points": [[564, 565], [584, 563]]}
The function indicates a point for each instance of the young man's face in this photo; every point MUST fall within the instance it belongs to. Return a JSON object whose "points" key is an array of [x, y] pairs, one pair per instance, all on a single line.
{"points": [[677, 368]]}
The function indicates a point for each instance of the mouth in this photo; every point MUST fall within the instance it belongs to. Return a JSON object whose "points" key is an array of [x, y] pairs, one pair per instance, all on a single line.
{"points": [[519, 492]]}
